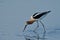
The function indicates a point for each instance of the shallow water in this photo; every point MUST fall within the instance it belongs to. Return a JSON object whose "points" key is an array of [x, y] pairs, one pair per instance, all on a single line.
{"points": [[14, 13]]}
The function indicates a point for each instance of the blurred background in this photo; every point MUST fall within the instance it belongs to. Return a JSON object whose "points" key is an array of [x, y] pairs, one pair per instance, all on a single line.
{"points": [[14, 13]]}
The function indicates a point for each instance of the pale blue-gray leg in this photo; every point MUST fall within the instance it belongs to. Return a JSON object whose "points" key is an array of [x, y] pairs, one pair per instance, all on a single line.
{"points": [[37, 25], [43, 26]]}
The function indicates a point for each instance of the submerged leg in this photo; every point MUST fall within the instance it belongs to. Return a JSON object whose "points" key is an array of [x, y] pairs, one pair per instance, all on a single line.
{"points": [[43, 37], [43, 26]]}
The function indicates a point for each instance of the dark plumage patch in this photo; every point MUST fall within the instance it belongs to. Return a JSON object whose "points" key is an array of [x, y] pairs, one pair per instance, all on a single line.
{"points": [[38, 15]]}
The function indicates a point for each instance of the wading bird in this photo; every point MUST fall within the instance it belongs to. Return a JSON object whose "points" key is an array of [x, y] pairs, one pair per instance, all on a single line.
{"points": [[35, 17]]}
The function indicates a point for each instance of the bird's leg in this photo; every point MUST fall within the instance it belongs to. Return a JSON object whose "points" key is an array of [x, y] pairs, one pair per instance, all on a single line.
{"points": [[37, 37], [43, 37], [43, 26], [37, 25]]}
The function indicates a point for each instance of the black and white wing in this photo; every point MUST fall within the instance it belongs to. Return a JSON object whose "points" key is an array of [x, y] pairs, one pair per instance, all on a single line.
{"points": [[40, 15]]}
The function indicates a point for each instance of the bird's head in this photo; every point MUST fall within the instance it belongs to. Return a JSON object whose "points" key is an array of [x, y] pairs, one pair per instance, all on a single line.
{"points": [[29, 22]]}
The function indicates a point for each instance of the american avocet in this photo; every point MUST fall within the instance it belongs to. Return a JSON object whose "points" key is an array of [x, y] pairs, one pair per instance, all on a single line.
{"points": [[35, 17]]}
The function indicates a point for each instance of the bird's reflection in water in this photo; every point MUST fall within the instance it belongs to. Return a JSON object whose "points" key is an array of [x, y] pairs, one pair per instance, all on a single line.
{"points": [[37, 37]]}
